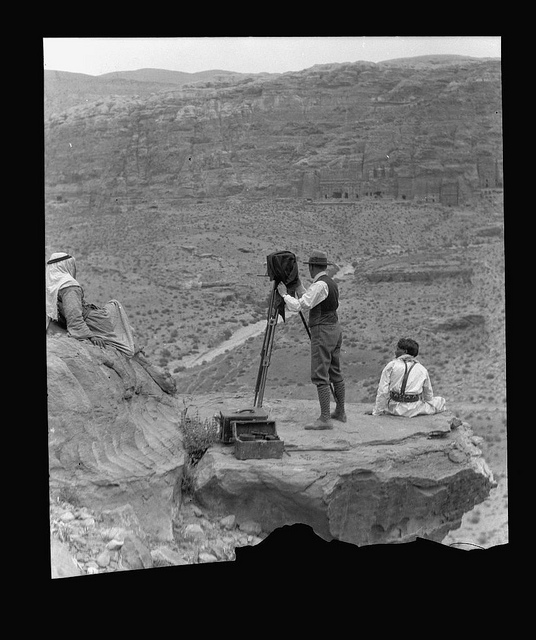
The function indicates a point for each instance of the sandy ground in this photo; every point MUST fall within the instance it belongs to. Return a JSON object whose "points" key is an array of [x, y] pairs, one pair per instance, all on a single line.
{"points": [[239, 337]]}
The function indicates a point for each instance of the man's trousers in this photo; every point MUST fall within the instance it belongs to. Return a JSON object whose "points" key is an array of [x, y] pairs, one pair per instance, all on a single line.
{"points": [[326, 340]]}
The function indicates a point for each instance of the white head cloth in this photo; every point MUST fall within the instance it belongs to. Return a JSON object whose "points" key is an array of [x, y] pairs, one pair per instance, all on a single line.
{"points": [[58, 275]]}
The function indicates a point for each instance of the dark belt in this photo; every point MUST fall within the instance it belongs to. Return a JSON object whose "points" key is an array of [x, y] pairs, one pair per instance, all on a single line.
{"points": [[404, 397]]}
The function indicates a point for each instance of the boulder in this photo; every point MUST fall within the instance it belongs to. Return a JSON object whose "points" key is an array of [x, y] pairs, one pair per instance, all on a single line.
{"points": [[135, 555], [62, 564], [457, 323], [114, 436], [370, 480], [425, 272]]}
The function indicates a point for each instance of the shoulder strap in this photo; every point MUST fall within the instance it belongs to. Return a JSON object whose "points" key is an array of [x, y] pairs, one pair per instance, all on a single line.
{"points": [[406, 375]]}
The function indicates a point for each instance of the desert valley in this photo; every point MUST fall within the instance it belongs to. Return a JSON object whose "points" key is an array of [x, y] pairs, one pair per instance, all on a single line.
{"points": [[171, 196]]}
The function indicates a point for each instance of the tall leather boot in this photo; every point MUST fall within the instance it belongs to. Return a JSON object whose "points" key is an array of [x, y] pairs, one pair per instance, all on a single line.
{"points": [[324, 421], [340, 391]]}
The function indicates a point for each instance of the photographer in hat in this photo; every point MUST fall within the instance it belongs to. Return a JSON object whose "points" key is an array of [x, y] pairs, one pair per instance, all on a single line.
{"points": [[321, 299]]}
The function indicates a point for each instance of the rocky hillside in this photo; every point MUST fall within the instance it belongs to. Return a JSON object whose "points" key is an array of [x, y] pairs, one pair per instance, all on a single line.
{"points": [[271, 135], [64, 89]]}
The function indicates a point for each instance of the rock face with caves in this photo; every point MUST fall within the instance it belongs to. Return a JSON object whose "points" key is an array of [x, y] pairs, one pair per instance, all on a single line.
{"points": [[426, 128]]}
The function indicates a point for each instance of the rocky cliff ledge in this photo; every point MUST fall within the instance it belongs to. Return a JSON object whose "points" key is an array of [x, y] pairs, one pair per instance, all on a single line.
{"points": [[114, 435], [115, 438], [372, 480]]}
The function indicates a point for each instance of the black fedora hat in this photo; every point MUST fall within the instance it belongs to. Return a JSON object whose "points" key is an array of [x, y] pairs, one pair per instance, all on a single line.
{"points": [[319, 258]]}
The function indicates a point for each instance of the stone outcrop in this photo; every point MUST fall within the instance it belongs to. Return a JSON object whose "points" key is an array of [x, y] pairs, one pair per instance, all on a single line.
{"points": [[371, 480], [115, 439], [114, 435], [403, 270]]}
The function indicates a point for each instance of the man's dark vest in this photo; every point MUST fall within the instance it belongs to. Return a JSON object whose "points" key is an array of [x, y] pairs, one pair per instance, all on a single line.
{"points": [[326, 311]]}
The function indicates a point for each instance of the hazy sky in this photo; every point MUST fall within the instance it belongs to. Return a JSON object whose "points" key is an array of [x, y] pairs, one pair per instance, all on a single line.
{"points": [[255, 54]]}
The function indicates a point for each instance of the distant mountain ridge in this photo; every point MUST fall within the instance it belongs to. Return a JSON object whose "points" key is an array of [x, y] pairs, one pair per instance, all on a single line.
{"points": [[426, 128], [64, 89], [167, 75]]}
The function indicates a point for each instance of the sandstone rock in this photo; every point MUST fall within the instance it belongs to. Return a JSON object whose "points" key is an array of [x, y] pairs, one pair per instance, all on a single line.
{"points": [[423, 270], [135, 555], [393, 481], [112, 533], [62, 563], [113, 433], [466, 321], [163, 556], [250, 527], [103, 559], [457, 456], [114, 544], [67, 516], [228, 522], [121, 518], [193, 531], [218, 549], [207, 557]]}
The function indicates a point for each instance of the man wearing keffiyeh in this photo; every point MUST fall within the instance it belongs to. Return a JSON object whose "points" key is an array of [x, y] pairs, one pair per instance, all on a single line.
{"points": [[84, 321], [106, 326]]}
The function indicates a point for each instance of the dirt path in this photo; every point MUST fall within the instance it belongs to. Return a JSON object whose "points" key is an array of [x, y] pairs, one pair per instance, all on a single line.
{"points": [[241, 335], [238, 338]]}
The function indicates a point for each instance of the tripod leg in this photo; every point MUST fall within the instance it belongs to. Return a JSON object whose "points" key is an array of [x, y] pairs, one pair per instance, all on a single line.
{"points": [[266, 351]]}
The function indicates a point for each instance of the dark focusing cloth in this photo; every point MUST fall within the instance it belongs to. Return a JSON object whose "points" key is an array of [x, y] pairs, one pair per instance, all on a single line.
{"points": [[283, 267]]}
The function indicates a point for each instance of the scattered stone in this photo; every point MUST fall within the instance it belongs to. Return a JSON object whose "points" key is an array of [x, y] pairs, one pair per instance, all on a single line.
{"points": [[164, 556], [67, 516], [103, 559], [114, 544], [89, 522], [62, 563], [193, 531], [228, 522], [207, 557], [114, 533], [217, 548], [197, 511], [124, 517], [455, 423], [457, 456], [134, 554], [250, 527]]}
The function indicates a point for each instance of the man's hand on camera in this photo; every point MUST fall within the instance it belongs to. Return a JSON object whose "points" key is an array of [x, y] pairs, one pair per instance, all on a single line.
{"points": [[282, 289]]}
